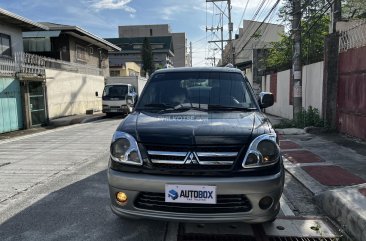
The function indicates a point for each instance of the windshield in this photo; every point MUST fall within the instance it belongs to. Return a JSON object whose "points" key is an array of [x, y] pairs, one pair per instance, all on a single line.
{"points": [[196, 90], [114, 91]]}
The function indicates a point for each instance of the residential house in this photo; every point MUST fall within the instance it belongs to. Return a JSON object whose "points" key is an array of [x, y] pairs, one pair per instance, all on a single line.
{"points": [[76, 62], [58, 75], [11, 42], [69, 43]]}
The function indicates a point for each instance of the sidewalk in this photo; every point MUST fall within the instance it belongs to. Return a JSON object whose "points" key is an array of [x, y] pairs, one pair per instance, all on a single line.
{"points": [[333, 168]]}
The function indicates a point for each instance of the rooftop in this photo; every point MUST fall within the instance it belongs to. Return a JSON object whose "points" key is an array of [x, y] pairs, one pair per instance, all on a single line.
{"points": [[25, 24], [76, 32]]}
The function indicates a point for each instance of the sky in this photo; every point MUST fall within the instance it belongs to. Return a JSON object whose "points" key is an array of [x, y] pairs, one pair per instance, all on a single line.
{"points": [[102, 17]]}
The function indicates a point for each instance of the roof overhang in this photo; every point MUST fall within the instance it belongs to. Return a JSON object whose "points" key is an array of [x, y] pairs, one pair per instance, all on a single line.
{"points": [[25, 24], [244, 65], [87, 36]]}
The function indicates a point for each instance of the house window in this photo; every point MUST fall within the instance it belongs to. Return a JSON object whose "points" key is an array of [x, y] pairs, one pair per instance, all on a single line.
{"points": [[80, 53], [115, 73], [151, 33], [5, 45], [91, 50]]}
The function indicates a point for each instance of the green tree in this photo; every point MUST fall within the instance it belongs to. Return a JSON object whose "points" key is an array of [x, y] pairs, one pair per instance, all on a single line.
{"points": [[314, 29], [147, 57], [353, 9]]}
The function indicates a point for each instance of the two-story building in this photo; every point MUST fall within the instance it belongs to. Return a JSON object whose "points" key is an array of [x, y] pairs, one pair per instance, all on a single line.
{"points": [[69, 43], [11, 43], [251, 46]]}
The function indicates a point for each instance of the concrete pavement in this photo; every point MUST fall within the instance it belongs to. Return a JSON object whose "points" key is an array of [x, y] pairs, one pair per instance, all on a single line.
{"points": [[30, 160], [333, 169]]}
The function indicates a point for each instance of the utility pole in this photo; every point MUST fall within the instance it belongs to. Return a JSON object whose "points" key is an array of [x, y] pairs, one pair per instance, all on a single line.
{"points": [[231, 27], [336, 15], [190, 52], [231, 57], [296, 61], [212, 58], [331, 75]]}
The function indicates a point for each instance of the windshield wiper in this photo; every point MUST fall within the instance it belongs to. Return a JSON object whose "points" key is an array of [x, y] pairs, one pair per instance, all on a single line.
{"points": [[235, 108], [159, 105], [183, 107]]}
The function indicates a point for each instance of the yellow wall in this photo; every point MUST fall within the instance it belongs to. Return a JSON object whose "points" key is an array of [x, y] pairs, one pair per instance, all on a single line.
{"points": [[127, 69]]}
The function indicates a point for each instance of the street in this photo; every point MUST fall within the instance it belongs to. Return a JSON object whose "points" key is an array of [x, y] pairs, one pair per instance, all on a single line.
{"points": [[54, 187]]}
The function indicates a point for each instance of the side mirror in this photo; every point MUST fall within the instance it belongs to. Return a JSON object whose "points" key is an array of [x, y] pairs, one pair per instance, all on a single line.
{"points": [[96, 93], [266, 99]]}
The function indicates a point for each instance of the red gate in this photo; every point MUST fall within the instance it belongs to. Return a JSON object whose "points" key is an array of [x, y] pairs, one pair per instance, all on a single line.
{"points": [[351, 99]]}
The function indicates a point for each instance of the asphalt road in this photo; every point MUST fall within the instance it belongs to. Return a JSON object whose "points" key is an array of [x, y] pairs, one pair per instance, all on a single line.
{"points": [[51, 192]]}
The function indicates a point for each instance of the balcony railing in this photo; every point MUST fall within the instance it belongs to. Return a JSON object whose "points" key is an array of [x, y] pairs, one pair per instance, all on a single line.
{"points": [[35, 65]]}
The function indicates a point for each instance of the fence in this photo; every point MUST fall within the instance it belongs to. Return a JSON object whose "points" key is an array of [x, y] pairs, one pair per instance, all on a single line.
{"points": [[31, 64], [7, 67], [353, 37]]}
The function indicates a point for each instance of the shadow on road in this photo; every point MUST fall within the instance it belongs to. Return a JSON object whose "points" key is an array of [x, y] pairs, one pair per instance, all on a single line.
{"points": [[79, 211]]}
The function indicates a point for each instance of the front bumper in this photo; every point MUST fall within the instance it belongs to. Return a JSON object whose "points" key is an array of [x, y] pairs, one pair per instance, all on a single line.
{"points": [[254, 188], [115, 109]]}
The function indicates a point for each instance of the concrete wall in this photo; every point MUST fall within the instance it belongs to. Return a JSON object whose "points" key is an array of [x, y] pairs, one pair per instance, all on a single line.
{"points": [[312, 90], [15, 37], [312, 86], [281, 106], [71, 93], [179, 45]]}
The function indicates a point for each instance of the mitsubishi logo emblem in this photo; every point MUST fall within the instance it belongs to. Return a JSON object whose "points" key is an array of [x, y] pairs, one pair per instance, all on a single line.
{"points": [[191, 158]]}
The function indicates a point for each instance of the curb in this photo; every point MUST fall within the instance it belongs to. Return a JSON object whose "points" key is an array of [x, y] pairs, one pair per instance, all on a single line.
{"points": [[76, 120], [91, 119], [347, 206], [290, 131]]}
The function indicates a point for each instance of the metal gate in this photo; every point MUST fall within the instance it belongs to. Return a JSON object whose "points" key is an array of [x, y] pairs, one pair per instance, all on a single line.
{"points": [[11, 117], [351, 99]]}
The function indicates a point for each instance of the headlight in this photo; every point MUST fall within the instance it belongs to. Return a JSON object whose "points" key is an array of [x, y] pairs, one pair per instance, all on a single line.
{"points": [[263, 151], [124, 149]]}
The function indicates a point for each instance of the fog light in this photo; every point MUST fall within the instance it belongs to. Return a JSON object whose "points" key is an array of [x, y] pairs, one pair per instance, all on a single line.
{"points": [[121, 197], [265, 202]]}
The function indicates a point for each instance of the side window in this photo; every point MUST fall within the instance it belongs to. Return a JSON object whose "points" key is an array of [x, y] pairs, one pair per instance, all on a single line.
{"points": [[5, 45]]}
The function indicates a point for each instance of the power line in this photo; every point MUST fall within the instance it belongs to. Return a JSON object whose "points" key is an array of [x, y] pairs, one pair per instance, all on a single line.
{"points": [[274, 6], [242, 16]]}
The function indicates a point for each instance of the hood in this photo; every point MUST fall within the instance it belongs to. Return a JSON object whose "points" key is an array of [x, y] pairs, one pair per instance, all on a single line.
{"points": [[193, 127]]}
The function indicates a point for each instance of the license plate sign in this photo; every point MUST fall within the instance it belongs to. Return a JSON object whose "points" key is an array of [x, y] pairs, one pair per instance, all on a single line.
{"points": [[190, 194]]}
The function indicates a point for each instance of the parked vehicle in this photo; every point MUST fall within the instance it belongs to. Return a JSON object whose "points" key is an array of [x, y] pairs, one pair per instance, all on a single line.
{"points": [[197, 148], [121, 93]]}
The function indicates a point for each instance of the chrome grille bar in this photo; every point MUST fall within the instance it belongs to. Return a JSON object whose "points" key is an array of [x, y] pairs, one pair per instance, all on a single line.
{"points": [[217, 154], [167, 153]]}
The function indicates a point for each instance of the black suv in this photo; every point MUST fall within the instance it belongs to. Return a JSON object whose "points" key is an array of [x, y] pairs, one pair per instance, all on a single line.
{"points": [[197, 148]]}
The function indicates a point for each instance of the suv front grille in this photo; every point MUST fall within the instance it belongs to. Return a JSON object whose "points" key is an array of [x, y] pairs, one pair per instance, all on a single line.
{"points": [[174, 157], [225, 204]]}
